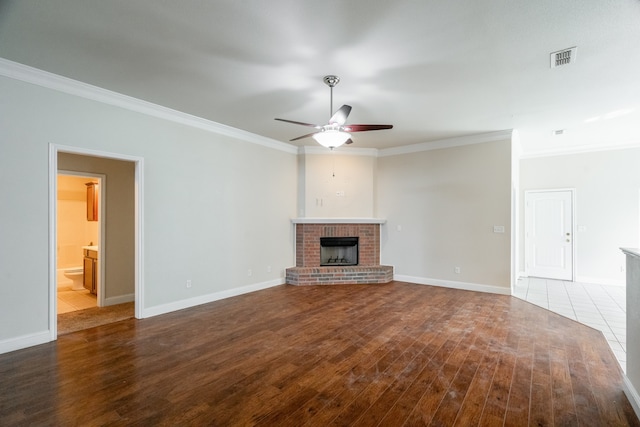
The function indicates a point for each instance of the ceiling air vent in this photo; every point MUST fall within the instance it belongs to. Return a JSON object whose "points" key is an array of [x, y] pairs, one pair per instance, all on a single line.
{"points": [[563, 57]]}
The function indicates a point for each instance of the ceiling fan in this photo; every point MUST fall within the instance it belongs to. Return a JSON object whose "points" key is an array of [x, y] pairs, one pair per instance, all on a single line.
{"points": [[336, 132]]}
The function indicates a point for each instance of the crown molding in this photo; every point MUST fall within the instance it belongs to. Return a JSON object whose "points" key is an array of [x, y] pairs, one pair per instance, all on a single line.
{"points": [[582, 149], [69, 86], [448, 143]]}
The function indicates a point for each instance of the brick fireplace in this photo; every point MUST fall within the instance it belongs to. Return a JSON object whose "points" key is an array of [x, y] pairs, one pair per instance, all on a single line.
{"points": [[308, 271]]}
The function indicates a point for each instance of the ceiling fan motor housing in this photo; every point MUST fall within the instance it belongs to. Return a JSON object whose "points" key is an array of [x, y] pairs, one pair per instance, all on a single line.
{"points": [[331, 80]]}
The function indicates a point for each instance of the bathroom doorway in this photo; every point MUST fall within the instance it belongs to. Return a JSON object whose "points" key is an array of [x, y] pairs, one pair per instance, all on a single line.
{"points": [[118, 294], [80, 226]]}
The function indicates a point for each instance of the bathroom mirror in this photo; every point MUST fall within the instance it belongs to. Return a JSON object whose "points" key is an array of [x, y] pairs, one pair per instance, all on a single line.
{"points": [[92, 201]]}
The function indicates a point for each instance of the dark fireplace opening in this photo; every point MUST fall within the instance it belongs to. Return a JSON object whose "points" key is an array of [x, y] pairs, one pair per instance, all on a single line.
{"points": [[338, 251]]}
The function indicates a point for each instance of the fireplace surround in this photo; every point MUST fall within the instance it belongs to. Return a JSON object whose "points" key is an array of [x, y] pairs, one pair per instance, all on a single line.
{"points": [[310, 269]]}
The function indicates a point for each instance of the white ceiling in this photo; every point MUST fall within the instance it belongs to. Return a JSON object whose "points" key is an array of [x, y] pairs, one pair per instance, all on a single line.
{"points": [[434, 69]]}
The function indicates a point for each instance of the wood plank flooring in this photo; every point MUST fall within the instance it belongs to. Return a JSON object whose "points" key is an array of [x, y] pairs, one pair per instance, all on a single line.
{"points": [[364, 355]]}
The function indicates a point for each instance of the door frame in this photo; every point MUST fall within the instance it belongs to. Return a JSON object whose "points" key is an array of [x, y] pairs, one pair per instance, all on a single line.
{"points": [[101, 230], [54, 149], [573, 227]]}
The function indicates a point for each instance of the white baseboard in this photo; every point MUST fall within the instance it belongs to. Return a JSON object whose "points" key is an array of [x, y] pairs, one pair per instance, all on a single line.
{"points": [[204, 299], [120, 299], [632, 394], [590, 280], [601, 281], [477, 287], [24, 341]]}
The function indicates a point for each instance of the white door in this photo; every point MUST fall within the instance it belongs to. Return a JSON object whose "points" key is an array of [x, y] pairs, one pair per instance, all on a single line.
{"points": [[549, 234]]}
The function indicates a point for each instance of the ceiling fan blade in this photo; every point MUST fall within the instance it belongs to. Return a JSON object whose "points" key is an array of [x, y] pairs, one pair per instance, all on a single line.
{"points": [[304, 136], [340, 116], [349, 141], [300, 123], [364, 128]]}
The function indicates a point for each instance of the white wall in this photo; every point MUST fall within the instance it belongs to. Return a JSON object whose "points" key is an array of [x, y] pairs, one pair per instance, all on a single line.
{"points": [[336, 184], [441, 206], [607, 186], [215, 206]]}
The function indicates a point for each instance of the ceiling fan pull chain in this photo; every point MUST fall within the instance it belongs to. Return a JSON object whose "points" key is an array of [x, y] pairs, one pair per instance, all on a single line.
{"points": [[333, 164]]}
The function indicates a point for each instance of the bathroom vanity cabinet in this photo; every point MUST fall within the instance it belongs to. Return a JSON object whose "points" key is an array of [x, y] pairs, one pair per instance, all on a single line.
{"points": [[90, 270]]}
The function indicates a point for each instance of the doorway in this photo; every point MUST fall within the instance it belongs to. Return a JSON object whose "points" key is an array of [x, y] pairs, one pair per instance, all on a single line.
{"points": [[120, 246], [80, 230], [549, 242]]}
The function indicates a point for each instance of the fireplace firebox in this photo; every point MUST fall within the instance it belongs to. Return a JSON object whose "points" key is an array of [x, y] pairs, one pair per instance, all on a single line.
{"points": [[338, 251]]}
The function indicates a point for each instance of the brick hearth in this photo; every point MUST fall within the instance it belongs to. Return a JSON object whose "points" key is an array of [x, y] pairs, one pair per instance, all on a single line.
{"points": [[308, 270]]}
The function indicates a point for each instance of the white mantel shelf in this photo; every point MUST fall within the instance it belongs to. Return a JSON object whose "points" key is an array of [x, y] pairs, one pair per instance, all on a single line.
{"points": [[338, 220], [631, 251]]}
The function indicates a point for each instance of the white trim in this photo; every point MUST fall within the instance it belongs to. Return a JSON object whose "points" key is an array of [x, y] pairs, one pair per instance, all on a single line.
{"points": [[54, 149], [120, 299], [205, 299], [476, 287], [338, 221], [634, 252], [632, 394], [587, 280], [95, 153], [566, 151], [516, 148], [447, 143], [139, 237], [600, 281], [24, 341], [48, 80], [53, 242]]}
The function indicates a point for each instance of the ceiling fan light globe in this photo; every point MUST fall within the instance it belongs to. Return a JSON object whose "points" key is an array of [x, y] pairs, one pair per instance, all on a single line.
{"points": [[331, 138]]}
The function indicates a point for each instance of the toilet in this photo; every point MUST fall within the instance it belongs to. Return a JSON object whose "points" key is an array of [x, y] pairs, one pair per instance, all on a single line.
{"points": [[76, 274]]}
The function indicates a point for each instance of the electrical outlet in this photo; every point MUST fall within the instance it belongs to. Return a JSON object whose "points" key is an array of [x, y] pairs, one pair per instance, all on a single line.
{"points": [[249, 273], [268, 269], [188, 284], [457, 270]]}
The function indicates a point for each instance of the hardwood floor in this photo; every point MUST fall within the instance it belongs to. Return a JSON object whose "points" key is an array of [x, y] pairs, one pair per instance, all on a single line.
{"points": [[389, 355]]}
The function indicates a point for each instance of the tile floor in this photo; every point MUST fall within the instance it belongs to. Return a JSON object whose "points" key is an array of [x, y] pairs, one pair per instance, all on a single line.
{"points": [[599, 306], [69, 300]]}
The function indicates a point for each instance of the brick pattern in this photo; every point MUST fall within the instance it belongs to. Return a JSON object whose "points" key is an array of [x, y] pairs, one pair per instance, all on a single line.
{"points": [[339, 275], [308, 270], [308, 242]]}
